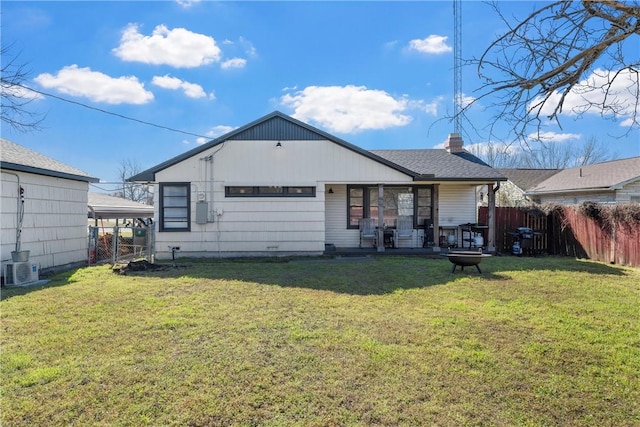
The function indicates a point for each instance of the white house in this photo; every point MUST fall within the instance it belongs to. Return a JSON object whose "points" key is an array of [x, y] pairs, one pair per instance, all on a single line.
{"points": [[44, 208], [279, 186]]}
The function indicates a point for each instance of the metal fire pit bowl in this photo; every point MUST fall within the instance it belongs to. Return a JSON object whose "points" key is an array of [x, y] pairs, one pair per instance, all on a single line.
{"points": [[465, 259]]}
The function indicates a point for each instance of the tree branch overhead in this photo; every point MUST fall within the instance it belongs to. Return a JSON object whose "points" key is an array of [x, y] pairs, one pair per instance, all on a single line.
{"points": [[567, 57]]}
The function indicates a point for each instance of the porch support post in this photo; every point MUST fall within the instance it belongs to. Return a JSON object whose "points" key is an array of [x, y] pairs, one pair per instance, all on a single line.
{"points": [[491, 217], [436, 217], [380, 217]]}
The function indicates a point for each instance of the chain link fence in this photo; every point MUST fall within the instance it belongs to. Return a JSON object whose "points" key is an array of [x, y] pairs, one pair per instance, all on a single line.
{"points": [[120, 244]]}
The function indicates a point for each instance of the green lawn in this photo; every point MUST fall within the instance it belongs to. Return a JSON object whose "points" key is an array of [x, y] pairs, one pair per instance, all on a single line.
{"points": [[317, 342]]}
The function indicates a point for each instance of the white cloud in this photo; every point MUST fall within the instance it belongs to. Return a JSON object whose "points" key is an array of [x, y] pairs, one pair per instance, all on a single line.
{"points": [[553, 137], [219, 130], [589, 94], [466, 100], [348, 109], [390, 45], [191, 90], [433, 44], [214, 132], [248, 47], [179, 48], [430, 108], [96, 86], [187, 3], [233, 63], [627, 122]]}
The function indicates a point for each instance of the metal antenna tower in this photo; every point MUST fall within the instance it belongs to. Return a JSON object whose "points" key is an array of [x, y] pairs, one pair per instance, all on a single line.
{"points": [[457, 66]]}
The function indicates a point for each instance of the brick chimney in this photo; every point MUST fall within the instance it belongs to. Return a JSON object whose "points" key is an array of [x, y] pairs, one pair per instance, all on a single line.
{"points": [[454, 143]]}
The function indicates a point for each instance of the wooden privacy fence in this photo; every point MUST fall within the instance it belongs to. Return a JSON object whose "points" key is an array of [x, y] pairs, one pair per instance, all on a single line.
{"points": [[509, 219], [569, 231]]}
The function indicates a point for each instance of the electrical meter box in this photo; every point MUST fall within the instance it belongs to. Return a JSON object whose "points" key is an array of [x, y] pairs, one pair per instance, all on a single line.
{"points": [[202, 209]]}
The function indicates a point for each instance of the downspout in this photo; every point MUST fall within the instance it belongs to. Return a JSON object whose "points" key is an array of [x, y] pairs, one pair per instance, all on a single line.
{"points": [[213, 215], [19, 210]]}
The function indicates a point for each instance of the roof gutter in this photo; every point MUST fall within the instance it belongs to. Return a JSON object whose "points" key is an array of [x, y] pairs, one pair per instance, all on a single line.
{"points": [[47, 172], [431, 177], [573, 190]]}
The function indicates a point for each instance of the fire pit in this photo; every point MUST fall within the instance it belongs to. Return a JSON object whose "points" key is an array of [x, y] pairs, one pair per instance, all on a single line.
{"points": [[465, 259]]}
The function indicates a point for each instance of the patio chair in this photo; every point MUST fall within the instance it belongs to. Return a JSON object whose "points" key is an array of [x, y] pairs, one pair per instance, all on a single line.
{"points": [[368, 230], [404, 229]]}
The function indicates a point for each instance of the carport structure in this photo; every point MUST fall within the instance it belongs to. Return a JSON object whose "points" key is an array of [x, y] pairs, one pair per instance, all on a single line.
{"points": [[103, 206]]}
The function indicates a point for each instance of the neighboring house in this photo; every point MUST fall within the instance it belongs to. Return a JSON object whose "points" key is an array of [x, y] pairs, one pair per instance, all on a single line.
{"points": [[512, 192], [279, 186], [615, 181], [49, 198]]}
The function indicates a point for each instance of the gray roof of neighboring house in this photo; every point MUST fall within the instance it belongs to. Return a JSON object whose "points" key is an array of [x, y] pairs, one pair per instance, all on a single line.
{"points": [[105, 206], [18, 158], [527, 178], [611, 175], [281, 127], [442, 164]]}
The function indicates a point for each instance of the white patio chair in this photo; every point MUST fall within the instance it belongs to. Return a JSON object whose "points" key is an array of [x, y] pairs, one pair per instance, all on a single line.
{"points": [[404, 229], [368, 230]]}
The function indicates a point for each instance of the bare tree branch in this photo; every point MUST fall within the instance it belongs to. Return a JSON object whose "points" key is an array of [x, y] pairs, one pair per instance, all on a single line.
{"points": [[542, 154], [567, 57], [132, 191], [15, 98]]}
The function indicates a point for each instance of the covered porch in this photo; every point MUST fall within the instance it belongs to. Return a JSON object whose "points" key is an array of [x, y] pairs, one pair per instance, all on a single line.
{"points": [[419, 218]]}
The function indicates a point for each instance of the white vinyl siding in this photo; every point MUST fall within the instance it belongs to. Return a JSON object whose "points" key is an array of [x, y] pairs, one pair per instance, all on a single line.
{"points": [[336, 219], [54, 227], [457, 205], [264, 225]]}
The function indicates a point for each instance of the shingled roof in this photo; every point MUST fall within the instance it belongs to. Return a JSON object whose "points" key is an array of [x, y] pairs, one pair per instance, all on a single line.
{"points": [[611, 175], [18, 158], [462, 166], [527, 178]]}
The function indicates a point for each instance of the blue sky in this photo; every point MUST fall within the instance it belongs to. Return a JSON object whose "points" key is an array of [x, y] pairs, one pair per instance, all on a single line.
{"points": [[376, 74]]}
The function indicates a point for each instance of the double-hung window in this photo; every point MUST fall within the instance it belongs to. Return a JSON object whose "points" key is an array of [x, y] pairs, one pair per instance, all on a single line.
{"points": [[174, 206]]}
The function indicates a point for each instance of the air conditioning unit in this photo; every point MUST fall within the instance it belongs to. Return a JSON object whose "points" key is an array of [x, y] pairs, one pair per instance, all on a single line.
{"points": [[20, 273]]}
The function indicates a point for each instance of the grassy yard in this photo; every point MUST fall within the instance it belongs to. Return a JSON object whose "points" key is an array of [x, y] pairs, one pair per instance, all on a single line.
{"points": [[320, 342]]}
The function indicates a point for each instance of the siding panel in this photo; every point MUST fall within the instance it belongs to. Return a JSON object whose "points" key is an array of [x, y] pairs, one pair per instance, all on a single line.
{"points": [[271, 224], [55, 219]]}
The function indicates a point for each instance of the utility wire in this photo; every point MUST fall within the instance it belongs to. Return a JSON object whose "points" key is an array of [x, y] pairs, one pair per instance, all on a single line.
{"points": [[110, 113]]}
